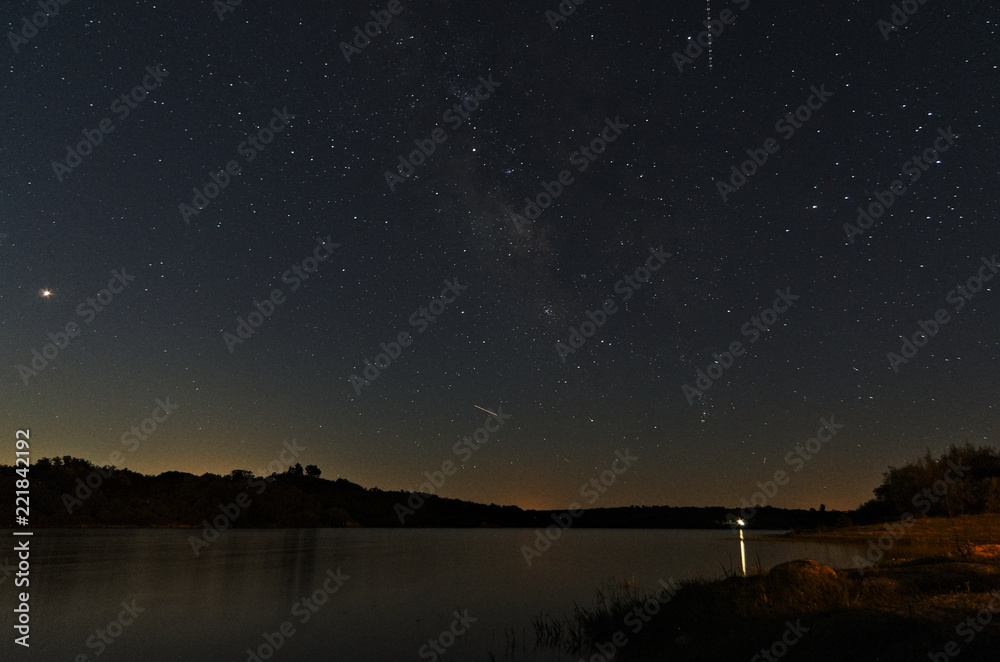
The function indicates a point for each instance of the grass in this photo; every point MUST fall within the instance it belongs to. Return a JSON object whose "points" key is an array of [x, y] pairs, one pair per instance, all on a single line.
{"points": [[899, 611], [585, 627], [959, 531]]}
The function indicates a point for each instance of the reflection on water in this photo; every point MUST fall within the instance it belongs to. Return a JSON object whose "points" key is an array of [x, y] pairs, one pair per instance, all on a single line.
{"points": [[399, 594]]}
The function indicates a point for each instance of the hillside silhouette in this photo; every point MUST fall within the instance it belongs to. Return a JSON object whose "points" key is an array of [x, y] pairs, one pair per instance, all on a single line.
{"points": [[73, 492]]}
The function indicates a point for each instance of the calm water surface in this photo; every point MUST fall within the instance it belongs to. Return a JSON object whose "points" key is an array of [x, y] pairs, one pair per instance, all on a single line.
{"points": [[403, 589]]}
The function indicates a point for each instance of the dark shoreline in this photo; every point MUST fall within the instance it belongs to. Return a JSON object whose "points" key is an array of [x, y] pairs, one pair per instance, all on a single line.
{"points": [[899, 611]]}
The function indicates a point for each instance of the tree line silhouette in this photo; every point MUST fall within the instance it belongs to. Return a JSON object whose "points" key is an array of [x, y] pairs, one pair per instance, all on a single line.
{"points": [[963, 481], [72, 492]]}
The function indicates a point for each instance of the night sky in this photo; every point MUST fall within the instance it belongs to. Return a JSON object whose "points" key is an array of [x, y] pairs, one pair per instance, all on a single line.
{"points": [[179, 280]]}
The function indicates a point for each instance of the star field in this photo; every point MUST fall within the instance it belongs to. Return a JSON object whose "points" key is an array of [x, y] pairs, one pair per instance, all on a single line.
{"points": [[461, 216]]}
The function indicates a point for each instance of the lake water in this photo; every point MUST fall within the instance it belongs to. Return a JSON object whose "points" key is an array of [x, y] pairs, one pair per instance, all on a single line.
{"points": [[402, 588]]}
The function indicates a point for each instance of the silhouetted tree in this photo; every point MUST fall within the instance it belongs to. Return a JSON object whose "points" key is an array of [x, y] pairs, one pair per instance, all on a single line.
{"points": [[73, 492], [964, 480], [313, 470]]}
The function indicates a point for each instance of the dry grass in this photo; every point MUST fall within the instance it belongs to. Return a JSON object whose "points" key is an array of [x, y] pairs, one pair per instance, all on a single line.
{"points": [[965, 530], [898, 611]]}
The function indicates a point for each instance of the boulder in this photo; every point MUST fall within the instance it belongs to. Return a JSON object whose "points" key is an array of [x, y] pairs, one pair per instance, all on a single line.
{"points": [[804, 585]]}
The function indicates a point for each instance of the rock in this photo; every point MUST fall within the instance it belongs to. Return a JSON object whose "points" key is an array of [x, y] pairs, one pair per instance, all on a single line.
{"points": [[985, 551], [804, 585]]}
